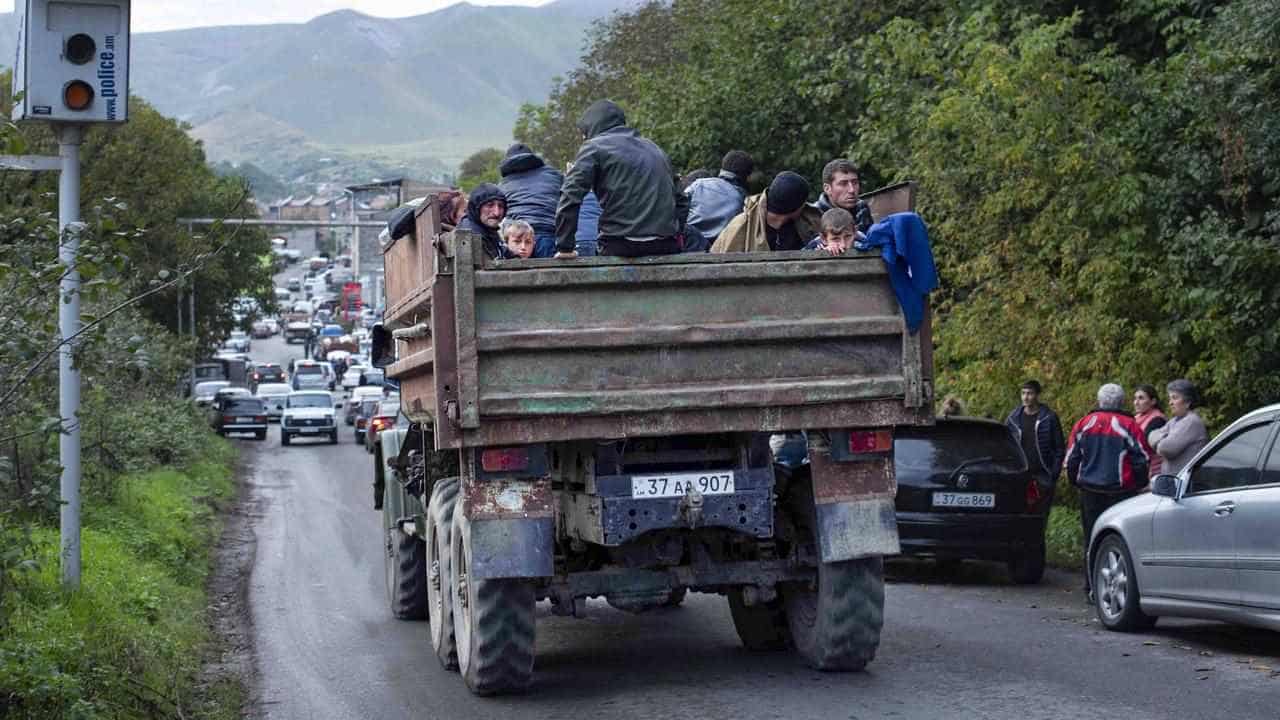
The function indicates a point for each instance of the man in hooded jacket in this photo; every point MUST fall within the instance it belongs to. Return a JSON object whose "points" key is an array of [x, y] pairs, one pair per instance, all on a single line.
{"points": [[532, 189], [485, 209], [642, 210]]}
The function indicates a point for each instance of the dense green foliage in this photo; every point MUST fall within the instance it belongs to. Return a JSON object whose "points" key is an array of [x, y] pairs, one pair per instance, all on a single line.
{"points": [[480, 167], [1100, 184], [132, 642]]}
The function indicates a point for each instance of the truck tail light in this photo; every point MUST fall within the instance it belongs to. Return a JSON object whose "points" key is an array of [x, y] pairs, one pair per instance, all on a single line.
{"points": [[870, 441], [504, 459]]}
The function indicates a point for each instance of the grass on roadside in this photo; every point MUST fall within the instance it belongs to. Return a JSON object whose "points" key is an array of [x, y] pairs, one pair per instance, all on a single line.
{"points": [[1063, 538], [131, 642]]}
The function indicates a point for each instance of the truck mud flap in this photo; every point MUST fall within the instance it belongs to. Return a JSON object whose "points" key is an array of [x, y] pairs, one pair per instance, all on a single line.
{"points": [[512, 528], [854, 507]]}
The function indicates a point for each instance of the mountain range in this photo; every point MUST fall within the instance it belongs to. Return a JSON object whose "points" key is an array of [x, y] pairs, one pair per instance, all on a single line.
{"points": [[346, 96]]}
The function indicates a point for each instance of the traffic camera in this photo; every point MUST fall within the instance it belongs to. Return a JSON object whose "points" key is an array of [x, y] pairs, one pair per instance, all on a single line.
{"points": [[73, 61]]}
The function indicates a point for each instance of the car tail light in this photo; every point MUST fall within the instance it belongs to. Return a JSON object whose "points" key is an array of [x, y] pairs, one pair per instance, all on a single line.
{"points": [[228, 418], [256, 376], [870, 441], [504, 459], [1033, 494], [260, 418], [378, 423]]}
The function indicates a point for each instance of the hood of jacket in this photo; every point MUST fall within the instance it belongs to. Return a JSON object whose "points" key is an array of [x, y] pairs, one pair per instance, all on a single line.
{"points": [[603, 115], [519, 159]]}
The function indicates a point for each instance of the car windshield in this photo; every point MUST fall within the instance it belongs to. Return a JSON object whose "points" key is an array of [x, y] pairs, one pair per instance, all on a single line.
{"points": [[247, 406], [209, 388], [943, 447], [311, 400]]}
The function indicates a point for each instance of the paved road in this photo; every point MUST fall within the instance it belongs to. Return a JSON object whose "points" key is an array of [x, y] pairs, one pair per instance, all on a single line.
{"points": [[965, 645]]}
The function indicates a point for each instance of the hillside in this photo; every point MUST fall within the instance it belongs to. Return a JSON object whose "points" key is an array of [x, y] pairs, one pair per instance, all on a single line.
{"points": [[349, 94]]}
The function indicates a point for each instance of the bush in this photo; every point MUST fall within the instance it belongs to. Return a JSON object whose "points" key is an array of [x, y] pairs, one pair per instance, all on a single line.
{"points": [[130, 642], [1064, 537]]}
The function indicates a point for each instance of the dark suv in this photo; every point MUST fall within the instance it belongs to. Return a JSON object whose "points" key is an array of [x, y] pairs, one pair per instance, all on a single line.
{"points": [[266, 373], [964, 491], [240, 414]]}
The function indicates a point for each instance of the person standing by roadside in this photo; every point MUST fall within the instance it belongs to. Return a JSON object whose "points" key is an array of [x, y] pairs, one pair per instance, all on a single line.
{"points": [[1106, 458], [1185, 434], [1039, 431], [1146, 410]]}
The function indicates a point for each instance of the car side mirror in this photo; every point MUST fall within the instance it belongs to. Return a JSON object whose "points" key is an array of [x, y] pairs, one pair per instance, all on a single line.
{"points": [[383, 350], [1165, 486]]}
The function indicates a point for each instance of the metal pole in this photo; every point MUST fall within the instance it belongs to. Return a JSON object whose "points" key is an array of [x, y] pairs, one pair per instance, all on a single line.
{"points": [[69, 227]]}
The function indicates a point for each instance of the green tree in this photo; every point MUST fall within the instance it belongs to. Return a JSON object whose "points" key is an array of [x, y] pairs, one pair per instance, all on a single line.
{"points": [[479, 167]]}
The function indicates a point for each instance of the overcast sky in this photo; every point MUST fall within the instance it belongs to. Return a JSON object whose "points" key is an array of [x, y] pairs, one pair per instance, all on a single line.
{"points": [[154, 15]]}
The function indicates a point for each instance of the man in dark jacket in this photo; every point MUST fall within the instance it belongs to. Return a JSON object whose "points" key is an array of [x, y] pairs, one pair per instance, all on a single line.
{"points": [[1039, 431], [532, 189], [1107, 458], [485, 209], [714, 201], [642, 212], [841, 184]]}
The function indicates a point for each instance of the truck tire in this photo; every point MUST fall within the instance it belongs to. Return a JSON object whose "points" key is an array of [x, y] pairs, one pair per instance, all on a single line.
{"points": [[405, 569], [836, 624], [444, 498], [761, 627], [493, 623]]}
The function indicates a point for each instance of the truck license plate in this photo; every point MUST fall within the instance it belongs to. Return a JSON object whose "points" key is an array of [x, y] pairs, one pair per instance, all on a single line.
{"points": [[718, 482], [964, 500]]}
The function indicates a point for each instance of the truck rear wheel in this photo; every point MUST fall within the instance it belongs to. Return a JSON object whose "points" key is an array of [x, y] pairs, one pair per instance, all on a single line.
{"points": [[836, 626], [761, 627], [835, 623], [444, 498], [493, 623], [404, 563]]}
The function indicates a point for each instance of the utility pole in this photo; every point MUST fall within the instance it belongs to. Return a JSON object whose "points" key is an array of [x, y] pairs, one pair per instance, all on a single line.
{"points": [[69, 228]]}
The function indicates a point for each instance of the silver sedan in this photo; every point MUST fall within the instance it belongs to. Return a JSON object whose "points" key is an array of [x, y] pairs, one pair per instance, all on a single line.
{"points": [[1203, 543]]}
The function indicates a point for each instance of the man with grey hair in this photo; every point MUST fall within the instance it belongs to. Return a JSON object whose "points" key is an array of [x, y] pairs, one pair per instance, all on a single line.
{"points": [[1107, 458]]}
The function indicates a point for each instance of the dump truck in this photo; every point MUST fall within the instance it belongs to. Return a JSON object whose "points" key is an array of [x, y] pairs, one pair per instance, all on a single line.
{"points": [[601, 428]]}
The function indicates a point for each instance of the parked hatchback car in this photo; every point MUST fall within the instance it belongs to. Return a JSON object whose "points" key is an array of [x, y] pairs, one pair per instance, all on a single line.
{"points": [[1203, 543], [965, 492], [241, 414]]}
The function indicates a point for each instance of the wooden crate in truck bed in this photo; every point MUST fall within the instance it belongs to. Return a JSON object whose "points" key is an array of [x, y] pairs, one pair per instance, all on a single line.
{"points": [[522, 351]]}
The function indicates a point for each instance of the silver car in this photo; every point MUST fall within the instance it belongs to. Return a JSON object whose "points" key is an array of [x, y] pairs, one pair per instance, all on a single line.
{"points": [[1203, 543]]}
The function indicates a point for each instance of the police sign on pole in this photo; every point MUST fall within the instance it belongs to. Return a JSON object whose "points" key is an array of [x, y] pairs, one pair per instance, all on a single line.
{"points": [[73, 61], [72, 69]]}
